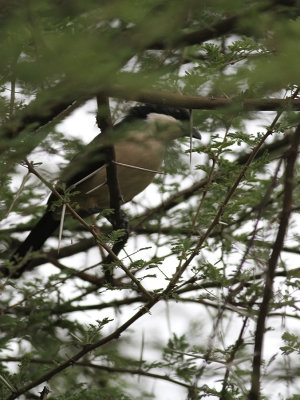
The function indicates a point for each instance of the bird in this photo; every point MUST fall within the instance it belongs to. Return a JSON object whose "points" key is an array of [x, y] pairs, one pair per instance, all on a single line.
{"points": [[139, 143]]}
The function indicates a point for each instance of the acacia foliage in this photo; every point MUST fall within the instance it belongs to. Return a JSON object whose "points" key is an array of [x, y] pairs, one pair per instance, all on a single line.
{"points": [[217, 248]]}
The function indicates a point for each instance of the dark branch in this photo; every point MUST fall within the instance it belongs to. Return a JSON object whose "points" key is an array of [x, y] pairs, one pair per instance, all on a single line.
{"points": [[51, 103], [197, 37], [104, 368], [228, 25], [48, 105], [201, 102], [291, 157], [85, 350], [118, 219]]}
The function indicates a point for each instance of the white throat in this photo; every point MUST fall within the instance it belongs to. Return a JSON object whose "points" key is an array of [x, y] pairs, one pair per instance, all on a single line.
{"points": [[161, 118]]}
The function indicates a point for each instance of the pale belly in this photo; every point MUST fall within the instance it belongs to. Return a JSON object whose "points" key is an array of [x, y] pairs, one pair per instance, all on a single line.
{"points": [[131, 181]]}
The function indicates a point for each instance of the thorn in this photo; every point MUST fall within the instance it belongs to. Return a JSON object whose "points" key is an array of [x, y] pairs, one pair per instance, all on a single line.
{"points": [[61, 226], [90, 175], [139, 168], [12, 389], [191, 135], [96, 187]]}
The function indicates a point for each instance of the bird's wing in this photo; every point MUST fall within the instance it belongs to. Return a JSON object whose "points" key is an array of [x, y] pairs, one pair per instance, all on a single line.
{"points": [[93, 155], [84, 163]]}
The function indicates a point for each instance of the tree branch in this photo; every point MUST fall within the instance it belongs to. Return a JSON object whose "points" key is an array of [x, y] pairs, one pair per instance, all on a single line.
{"points": [[180, 270], [92, 230], [291, 157], [51, 103], [118, 219], [131, 371], [201, 102], [85, 350], [229, 24]]}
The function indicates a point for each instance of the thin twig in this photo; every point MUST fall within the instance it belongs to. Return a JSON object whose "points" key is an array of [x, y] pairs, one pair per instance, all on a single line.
{"points": [[238, 344]]}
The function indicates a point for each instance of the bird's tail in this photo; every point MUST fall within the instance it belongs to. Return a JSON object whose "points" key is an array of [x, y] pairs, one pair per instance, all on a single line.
{"points": [[34, 241]]}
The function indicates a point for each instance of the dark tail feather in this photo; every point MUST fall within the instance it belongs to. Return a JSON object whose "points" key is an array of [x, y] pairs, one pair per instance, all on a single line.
{"points": [[34, 241]]}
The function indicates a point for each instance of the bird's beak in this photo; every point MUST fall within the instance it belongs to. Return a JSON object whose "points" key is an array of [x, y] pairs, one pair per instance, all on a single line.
{"points": [[187, 131], [196, 134]]}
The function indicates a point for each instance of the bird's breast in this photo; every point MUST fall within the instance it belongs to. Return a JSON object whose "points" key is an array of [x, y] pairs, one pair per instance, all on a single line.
{"points": [[133, 177]]}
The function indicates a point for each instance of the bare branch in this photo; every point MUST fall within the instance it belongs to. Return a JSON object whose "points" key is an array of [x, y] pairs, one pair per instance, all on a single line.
{"points": [[291, 157]]}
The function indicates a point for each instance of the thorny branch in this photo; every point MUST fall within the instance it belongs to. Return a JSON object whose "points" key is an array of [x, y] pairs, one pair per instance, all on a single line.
{"points": [[181, 268], [91, 229], [219, 213]]}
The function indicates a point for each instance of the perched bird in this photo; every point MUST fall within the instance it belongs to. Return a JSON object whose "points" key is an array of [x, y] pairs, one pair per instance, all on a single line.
{"points": [[139, 141]]}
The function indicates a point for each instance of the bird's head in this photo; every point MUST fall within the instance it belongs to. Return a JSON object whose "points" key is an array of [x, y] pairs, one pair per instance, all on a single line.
{"points": [[163, 122]]}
